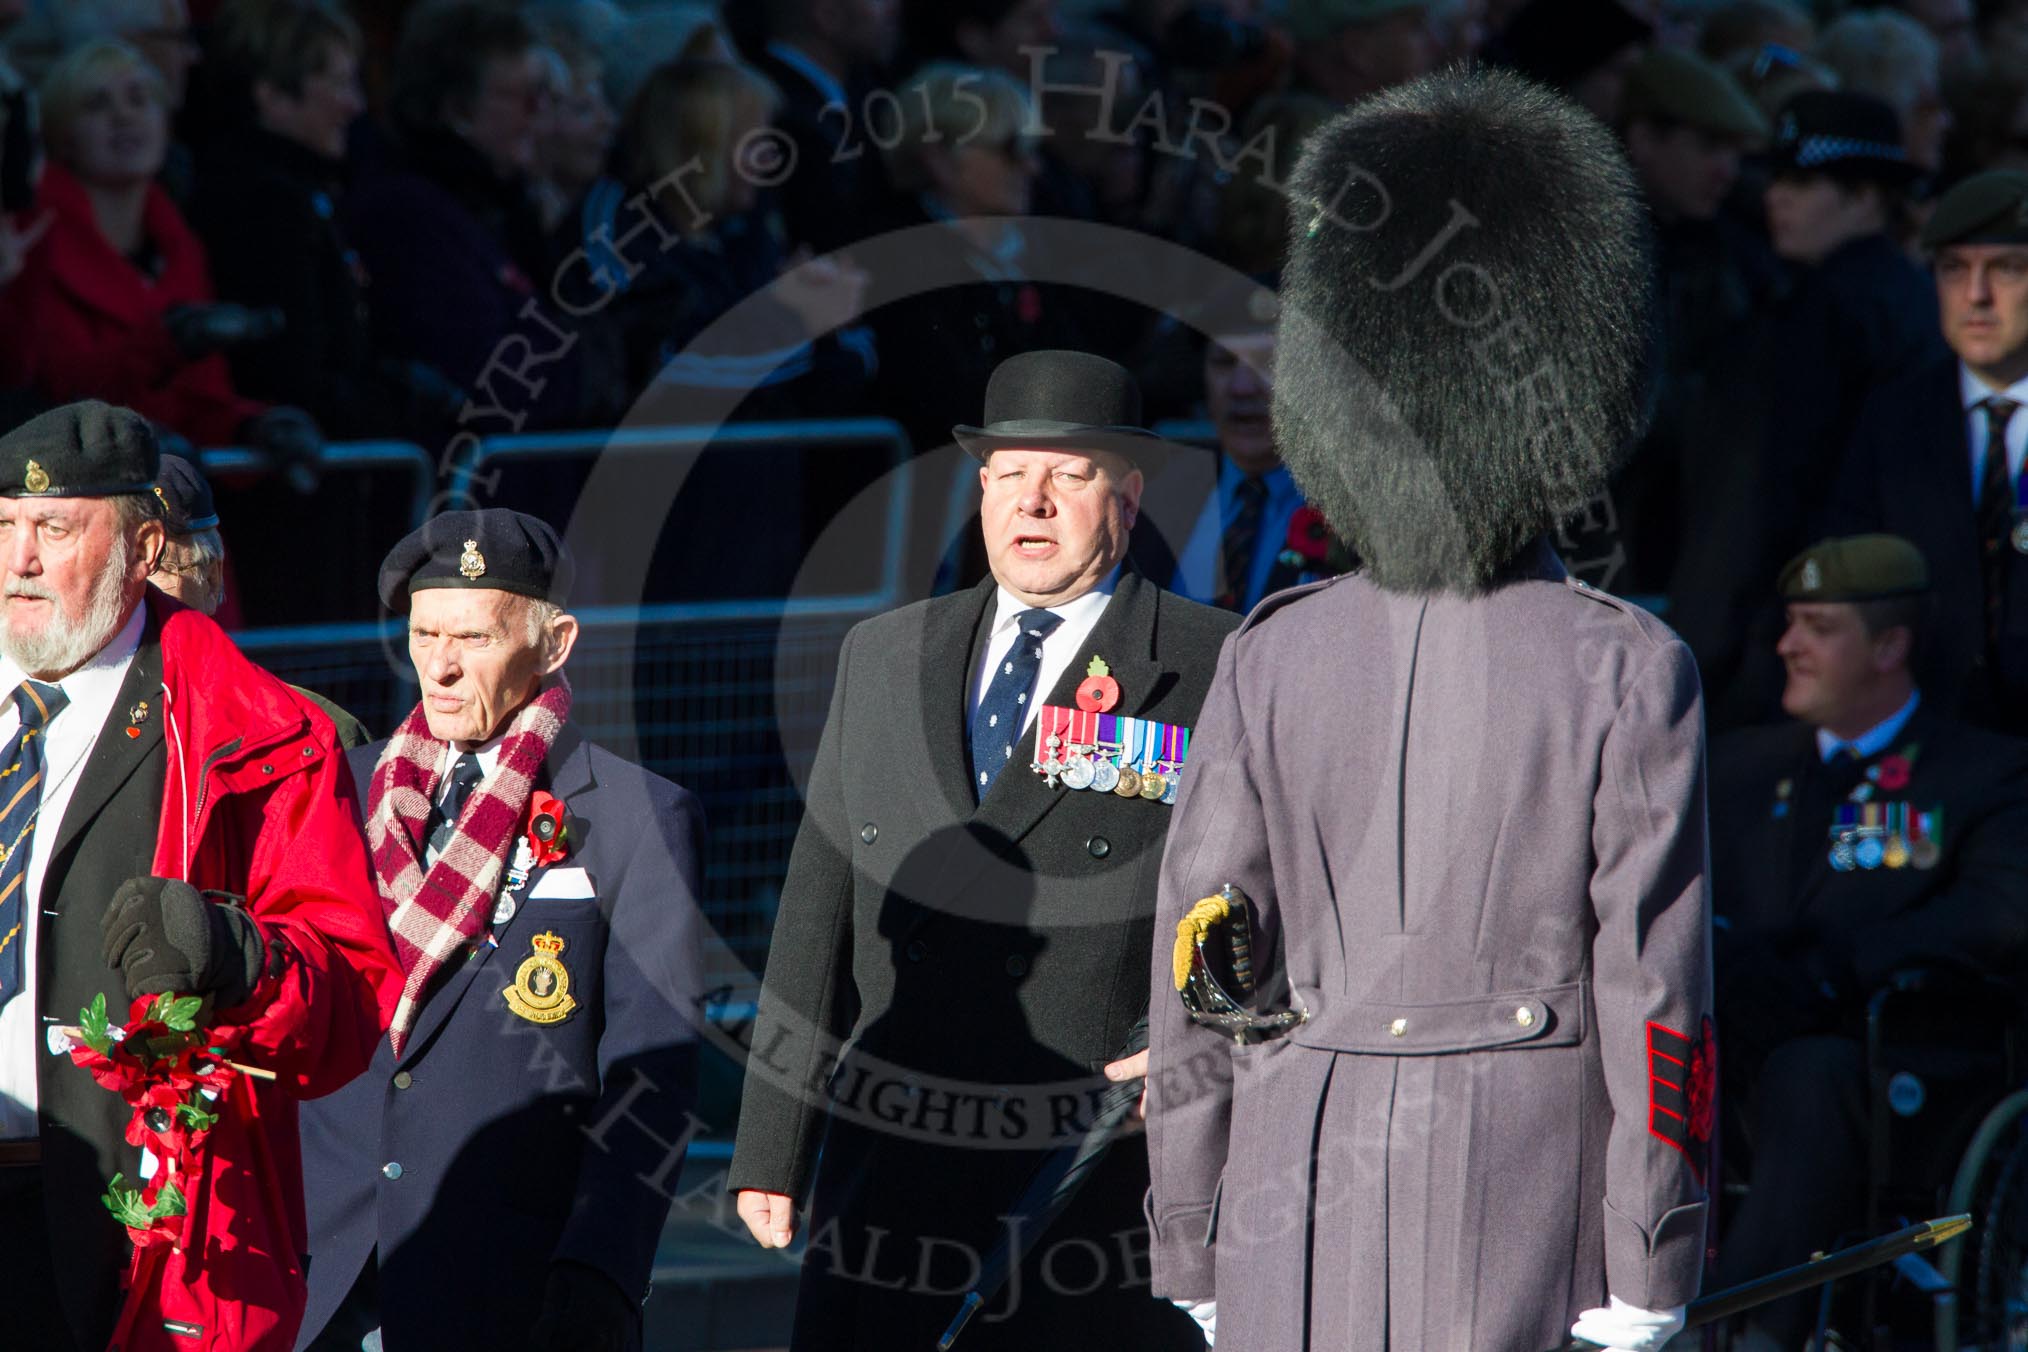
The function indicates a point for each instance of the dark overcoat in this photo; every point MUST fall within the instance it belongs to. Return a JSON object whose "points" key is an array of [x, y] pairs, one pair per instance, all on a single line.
{"points": [[946, 979], [493, 1146], [1909, 473]]}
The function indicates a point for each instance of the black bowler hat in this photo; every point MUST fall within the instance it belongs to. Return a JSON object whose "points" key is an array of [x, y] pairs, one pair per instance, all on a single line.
{"points": [[87, 450], [1837, 131], [187, 506], [491, 550], [1059, 400]]}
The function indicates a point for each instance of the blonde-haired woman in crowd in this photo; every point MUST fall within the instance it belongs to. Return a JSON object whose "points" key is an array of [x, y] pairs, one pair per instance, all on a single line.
{"points": [[116, 301], [675, 237]]}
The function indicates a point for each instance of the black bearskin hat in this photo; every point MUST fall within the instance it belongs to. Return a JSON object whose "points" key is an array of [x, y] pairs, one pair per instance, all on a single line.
{"points": [[1464, 324]]}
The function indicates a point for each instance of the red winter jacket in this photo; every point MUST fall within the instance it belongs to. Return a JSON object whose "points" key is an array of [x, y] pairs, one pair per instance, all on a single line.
{"points": [[82, 322], [259, 802]]}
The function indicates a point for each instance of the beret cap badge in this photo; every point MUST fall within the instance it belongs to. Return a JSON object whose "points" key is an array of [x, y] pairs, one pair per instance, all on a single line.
{"points": [[36, 480], [1813, 577], [472, 563]]}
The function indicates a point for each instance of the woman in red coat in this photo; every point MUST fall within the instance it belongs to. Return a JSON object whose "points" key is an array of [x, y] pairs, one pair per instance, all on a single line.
{"points": [[115, 302]]}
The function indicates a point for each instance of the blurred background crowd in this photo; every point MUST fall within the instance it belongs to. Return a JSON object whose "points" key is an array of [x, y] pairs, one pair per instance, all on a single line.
{"points": [[288, 225]]}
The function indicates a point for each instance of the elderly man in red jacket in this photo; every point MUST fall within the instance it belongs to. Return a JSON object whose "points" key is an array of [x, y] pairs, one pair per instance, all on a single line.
{"points": [[173, 820]]}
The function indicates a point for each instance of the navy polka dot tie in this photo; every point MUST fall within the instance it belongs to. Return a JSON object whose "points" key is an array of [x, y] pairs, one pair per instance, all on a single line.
{"points": [[996, 723]]}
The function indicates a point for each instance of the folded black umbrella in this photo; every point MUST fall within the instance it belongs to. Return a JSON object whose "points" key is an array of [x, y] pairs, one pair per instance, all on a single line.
{"points": [[1050, 1188]]}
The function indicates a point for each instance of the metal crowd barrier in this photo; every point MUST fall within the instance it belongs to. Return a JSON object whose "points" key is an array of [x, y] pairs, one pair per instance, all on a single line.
{"points": [[342, 456]]}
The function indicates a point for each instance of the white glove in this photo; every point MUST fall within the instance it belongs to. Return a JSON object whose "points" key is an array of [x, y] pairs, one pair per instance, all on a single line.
{"points": [[1205, 1312], [1628, 1328]]}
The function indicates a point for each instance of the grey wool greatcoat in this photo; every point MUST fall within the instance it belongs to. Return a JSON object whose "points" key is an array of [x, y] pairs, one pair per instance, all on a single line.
{"points": [[945, 981], [1474, 830]]}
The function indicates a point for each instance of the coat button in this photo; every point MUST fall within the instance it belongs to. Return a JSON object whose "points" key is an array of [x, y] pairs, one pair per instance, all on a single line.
{"points": [[869, 833], [309, 751], [916, 950], [267, 769], [1525, 1017], [1399, 1028], [1099, 846], [402, 1079], [391, 1169], [1017, 966]]}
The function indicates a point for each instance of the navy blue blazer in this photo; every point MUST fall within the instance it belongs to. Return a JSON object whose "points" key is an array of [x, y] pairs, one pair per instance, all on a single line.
{"points": [[1909, 472], [496, 1144]]}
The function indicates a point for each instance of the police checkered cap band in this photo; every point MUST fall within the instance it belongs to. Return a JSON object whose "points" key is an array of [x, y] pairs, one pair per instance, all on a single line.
{"points": [[1816, 150]]}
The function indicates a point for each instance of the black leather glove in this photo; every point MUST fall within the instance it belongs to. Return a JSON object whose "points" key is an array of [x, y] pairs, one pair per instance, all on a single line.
{"points": [[200, 330], [583, 1310], [163, 935], [292, 442]]}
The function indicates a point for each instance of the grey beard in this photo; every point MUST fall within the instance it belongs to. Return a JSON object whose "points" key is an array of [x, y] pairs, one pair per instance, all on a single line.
{"points": [[65, 644]]}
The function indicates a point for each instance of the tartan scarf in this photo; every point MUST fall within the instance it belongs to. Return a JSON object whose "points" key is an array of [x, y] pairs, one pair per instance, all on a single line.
{"points": [[432, 913]]}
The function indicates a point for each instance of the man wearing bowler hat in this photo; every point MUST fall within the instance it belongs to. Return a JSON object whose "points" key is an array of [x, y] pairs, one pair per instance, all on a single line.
{"points": [[961, 947], [525, 1117]]}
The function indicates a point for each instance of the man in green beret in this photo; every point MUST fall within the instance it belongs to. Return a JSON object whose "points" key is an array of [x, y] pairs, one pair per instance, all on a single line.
{"points": [[1937, 454], [179, 821], [1871, 834], [1685, 126], [1347, 49]]}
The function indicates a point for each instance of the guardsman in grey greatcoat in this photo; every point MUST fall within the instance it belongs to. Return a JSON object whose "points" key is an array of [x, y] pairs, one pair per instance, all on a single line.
{"points": [[1464, 792]]}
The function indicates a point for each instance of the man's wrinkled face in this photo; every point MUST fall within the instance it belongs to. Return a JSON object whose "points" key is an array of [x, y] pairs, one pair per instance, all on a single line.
{"points": [[1832, 662], [1056, 522], [476, 658], [68, 580], [1982, 301]]}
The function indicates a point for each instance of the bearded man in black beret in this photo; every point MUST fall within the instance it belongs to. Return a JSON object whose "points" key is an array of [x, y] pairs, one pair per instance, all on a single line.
{"points": [[177, 820]]}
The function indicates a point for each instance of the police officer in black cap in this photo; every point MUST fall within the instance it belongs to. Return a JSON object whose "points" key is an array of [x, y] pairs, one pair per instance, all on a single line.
{"points": [[526, 1111], [1871, 833], [1858, 314], [1937, 456]]}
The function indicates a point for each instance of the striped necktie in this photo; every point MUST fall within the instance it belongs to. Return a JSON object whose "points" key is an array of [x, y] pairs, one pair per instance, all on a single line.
{"points": [[21, 794]]}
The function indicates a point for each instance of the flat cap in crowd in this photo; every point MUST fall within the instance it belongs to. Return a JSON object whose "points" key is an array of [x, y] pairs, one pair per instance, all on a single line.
{"points": [[1855, 568], [494, 549], [84, 450]]}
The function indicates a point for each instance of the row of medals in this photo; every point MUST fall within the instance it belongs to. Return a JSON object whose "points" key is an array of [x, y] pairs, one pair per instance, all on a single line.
{"points": [[1083, 766], [1852, 850]]}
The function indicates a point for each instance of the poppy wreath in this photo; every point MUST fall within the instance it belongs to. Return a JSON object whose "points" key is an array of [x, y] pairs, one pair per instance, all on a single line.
{"points": [[172, 1072]]}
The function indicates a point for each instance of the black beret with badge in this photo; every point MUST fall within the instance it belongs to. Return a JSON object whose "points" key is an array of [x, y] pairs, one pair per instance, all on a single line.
{"points": [[1988, 208], [495, 549], [85, 450], [187, 505], [1855, 568]]}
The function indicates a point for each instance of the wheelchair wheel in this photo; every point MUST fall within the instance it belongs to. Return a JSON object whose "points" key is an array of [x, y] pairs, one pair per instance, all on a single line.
{"points": [[1991, 1313]]}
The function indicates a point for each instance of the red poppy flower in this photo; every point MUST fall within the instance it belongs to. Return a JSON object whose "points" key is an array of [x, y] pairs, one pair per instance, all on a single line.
{"points": [[547, 820], [1310, 534], [1894, 773]]}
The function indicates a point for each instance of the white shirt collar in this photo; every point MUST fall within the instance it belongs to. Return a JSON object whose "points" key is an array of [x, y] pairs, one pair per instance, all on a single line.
{"points": [[97, 682], [1072, 613], [1974, 391], [1875, 739]]}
